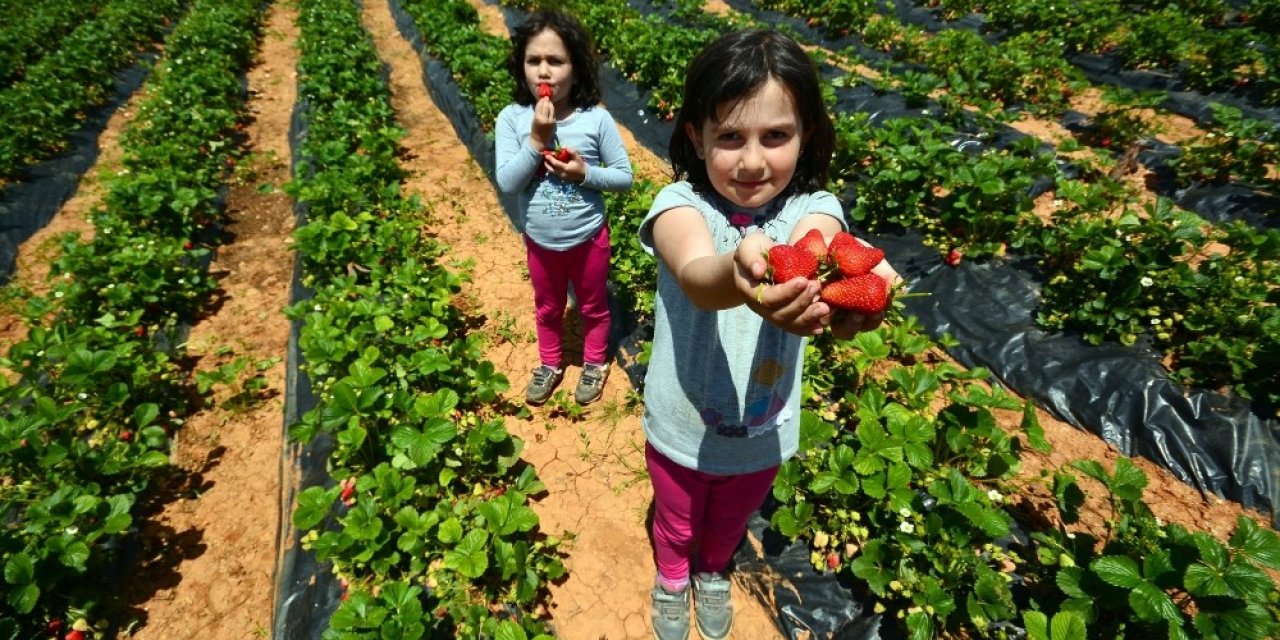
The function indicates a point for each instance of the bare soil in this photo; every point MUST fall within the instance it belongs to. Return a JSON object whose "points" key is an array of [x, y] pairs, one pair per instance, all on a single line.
{"points": [[209, 548]]}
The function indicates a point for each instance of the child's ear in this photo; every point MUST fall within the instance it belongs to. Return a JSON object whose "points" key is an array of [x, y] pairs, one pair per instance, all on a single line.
{"points": [[695, 137]]}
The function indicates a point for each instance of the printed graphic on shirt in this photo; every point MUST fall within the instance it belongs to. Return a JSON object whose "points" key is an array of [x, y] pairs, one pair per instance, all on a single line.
{"points": [[765, 409], [560, 196]]}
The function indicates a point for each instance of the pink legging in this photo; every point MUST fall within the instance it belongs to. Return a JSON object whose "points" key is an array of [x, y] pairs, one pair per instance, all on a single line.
{"points": [[699, 513], [551, 271]]}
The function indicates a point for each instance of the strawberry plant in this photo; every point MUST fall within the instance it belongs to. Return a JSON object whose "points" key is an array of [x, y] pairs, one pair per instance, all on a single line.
{"points": [[1234, 148], [1147, 578]]}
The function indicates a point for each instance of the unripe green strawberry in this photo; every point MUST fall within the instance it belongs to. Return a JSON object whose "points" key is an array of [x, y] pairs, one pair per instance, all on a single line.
{"points": [[787, 262], [850, 257], [865, 294]]}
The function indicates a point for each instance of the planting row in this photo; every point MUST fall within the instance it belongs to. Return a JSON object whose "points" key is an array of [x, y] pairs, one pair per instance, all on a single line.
{"points": [[94, 392], [52, 98], [427, 527], [902, 483], [31, 32]]}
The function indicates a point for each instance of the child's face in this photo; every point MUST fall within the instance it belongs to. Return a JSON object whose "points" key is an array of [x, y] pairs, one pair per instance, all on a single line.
{"points": [[751, 154], [547, 60]]}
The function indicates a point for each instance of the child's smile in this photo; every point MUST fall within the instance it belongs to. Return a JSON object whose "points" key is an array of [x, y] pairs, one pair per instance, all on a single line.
{"points": [[752, 153]]}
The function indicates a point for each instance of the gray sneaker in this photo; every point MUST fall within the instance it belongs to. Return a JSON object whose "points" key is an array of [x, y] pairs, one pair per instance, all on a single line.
{"points": [[543, 383], [670, 614], [714, 607], [591, 384]]}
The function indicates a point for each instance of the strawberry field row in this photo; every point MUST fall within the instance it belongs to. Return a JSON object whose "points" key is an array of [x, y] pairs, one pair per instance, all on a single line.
{"points": [[99, 384], [911, 500], [51, 100], [29, 34], [428, 528]]}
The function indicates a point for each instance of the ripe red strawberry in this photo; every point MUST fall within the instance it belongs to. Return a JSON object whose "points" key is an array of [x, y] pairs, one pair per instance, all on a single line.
{"points": [[833, 561], [75, 634], [140, 331], [1106, 142], [787, 262], [53, 628], [850, 257], [544, 90], [953, 257], [866, 294], [126, 435], [814, 243], [559, 153]]}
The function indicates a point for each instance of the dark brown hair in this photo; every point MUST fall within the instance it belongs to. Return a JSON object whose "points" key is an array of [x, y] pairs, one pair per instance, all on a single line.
{"points": [[732, 67], [582, 54]]}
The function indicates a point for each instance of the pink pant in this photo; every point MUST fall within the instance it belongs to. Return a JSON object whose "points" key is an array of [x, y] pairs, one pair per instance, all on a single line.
{"points": [[587, 267], [699, 518]]}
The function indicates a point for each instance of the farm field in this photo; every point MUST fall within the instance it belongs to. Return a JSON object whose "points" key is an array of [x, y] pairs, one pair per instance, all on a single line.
{"points": [[275, 386]]}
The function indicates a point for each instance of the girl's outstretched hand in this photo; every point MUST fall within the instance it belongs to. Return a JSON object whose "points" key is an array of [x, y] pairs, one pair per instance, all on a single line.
{"points": [[793, 306]]}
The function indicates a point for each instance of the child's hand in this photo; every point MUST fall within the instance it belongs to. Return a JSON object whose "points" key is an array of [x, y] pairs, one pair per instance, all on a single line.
{"points": [[793, 306], [543, 130], [573, 170]]}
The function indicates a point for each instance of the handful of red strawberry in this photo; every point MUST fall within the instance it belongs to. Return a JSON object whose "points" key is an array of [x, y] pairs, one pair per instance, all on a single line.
{"points": [[844, 267]]}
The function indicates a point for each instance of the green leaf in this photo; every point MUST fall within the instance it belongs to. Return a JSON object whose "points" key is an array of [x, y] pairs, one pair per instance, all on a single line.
{"points": [[75, 555], [1036, 624], [24, 598], [470, 557], [1031, 427], [313, 506], [1247, 581], [1152, 604], [1118, 571], [508, 630], [1202, 580], [20, 569], [1256, 544], [450, 531], [506, 517], [144, 414], [1068, 625]]}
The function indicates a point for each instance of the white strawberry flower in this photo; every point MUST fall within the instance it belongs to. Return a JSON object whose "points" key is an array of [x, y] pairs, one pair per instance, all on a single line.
{"points": [[907, 527], [994, 496], [1146, 281]]}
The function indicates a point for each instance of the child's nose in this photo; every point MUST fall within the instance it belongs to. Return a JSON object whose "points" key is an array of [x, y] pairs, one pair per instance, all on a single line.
{"points": [[752, 158]]}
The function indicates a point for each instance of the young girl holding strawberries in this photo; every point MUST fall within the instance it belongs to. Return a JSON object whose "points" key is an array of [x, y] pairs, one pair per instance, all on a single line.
{"points": [[559, 150], [753, 142]]}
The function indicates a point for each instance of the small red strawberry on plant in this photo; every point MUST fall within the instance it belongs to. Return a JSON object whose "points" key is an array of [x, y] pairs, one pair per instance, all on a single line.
{"points": [[953, 258], [850, 257], [348, 494], [53, 627], [833, 561], [75, 634]]}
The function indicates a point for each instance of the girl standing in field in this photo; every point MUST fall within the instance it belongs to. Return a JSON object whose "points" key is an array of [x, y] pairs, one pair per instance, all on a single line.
{"points": [[559, 150], [752, 142]]}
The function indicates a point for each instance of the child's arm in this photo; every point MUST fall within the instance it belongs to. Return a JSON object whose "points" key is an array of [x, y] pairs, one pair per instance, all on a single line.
{"points": [[515, 161], [714, 282]]}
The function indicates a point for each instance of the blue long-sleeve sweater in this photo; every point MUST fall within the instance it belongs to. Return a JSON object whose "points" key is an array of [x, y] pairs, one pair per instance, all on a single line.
{"points": [[554, 213]]}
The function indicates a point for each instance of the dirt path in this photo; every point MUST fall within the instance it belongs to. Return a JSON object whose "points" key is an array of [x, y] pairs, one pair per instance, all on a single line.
{"points": [[209, 552], [593, 468]]}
